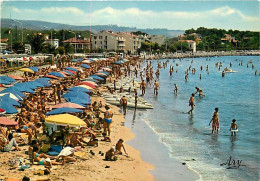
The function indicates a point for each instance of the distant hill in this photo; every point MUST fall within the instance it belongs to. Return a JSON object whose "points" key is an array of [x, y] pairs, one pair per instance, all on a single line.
{"points": [[43, 25]]}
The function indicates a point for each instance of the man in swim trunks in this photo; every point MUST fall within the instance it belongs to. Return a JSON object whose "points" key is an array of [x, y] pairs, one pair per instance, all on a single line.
{"points": [[156, 87], [191, 103], [123, 102], [107, 119], [143, 85], [215, 121]]}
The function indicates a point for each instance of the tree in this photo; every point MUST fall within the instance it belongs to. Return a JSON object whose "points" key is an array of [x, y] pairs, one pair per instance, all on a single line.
{"points": [[18, 47], [36, 42], [61, 50], [68, 48]]}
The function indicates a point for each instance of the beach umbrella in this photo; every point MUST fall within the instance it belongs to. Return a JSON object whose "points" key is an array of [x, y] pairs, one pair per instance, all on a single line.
{"points": [[103, 72], [26, 70], [13, 90], [87, 84], [79, 100], [78, 89], [64, 110], [85, 66], [4, 121], [1, 85], [8, 108], [7, 78], [76, 94], [57, 74], [107, 69], [2, 111], [80, 59], [64, 120], [33, 84], [11, 95], [66, 73], [25, 59], [74, 60], [35, 69], [8, 100], [68, 104], [96, 77], [71, 68], [23, 88], [70, 72], [4, 82], [101, 75], [44, 81], [51, 76], [92, 82], [16, 77], [87, 61], [91, 79]]}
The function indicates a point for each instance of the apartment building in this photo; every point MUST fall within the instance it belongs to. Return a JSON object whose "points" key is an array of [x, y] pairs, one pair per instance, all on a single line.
{"points": [[107, 40], [132, 42], [157, 39]]}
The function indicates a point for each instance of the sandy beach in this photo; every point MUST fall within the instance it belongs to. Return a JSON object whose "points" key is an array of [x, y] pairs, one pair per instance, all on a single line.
{"points": [[90, 167]]}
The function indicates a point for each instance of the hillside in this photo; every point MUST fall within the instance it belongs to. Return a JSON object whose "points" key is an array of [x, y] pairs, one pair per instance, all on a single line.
{"points": [[42, 25]]}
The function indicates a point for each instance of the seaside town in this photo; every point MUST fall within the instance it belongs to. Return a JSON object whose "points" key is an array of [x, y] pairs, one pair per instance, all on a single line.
{"points": [[127, 105]]}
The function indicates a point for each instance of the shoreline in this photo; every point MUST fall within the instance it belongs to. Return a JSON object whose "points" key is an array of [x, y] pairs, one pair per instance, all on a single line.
{"points": [[154, 151]]}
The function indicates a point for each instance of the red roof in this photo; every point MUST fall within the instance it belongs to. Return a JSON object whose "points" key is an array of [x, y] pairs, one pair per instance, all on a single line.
{"points": [[74, 40], [4, 40]]}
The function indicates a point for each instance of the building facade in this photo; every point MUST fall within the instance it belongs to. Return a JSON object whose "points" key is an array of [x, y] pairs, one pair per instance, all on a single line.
{"points": [[53, 42]]}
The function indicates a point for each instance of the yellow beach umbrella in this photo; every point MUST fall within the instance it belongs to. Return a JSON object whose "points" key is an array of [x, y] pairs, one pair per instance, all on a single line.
{"points": [[27, 70], [85, 86], [65, 119]]}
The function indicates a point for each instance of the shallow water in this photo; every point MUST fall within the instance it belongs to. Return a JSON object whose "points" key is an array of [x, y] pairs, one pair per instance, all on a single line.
{"points": [[189, 137]]}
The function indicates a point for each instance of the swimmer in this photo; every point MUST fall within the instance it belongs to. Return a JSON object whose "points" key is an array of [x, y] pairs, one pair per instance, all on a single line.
{"points": [[156, 87], [175, 88]]}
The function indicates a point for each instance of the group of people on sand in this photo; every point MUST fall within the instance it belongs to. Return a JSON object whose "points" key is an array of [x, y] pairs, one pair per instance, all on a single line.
{"points": [[31, 119]]}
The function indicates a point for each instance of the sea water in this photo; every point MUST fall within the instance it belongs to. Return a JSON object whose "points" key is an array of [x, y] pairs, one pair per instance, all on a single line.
{"points": [[188, 137]]}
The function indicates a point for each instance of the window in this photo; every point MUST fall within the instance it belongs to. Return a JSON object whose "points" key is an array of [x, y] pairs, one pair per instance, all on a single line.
{"points": [[101, 42], [100, 37], [95, 37], [105, 37], [95, 42]]}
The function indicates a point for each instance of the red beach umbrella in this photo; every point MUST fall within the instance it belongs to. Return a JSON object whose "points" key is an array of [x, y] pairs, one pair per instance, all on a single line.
{"points": [[2, 111], [63, 74], [1, 85], [52, 76], [86, 83], [30, 58], [72, 71], [7, 122], [25, 59], [16, 77], [91, 82]]}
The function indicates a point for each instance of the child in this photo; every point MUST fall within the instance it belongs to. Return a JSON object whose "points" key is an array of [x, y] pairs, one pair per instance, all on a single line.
{"points": [[233, 127], [119, 145]]}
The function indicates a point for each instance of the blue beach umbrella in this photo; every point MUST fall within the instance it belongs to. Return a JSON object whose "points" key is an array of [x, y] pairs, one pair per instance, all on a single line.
{"points": [[90, 79], [6, 78], [74, 60], [14, 91], [2, 81], [57, 74], [8, 100], [82, 95], [102, 76], [96, 77], [33, 84], [43, 81], [8, 108], [64, 110], [68, 72], [71, 68], [11, 96], [23, 88], [85, 66], [78, 100], [79, 89]]}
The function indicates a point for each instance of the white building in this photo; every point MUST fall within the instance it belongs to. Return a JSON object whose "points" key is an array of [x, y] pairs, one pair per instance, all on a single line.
{"points": [[132, 42], [27, 48], [53, 42], [157, 39], [191, 44]]}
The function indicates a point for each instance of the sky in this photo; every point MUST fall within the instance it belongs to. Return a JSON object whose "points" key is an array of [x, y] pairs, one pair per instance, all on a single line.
{"points": [[174, 15]]}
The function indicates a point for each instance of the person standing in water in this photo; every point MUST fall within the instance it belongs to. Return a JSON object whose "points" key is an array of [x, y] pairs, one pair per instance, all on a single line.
{"points": [[156, 87], [123, 102], [215, 121], [143, 85], [191, 103], [175, 88], [233, 127]]}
